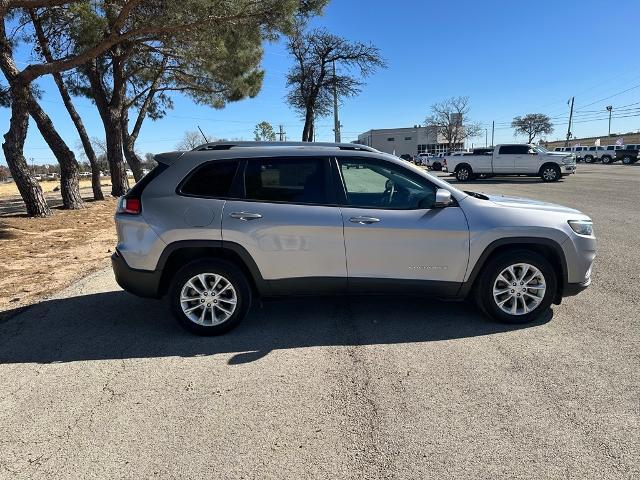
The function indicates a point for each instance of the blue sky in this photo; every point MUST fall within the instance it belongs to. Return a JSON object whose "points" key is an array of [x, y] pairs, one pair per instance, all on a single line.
{"points": [[509, 57]]}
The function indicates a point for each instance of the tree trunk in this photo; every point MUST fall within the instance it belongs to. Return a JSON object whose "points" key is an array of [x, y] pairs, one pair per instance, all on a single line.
{"points": [[117, 168], [14, 139], [13, 147], [111, 116], [73, 113], [69, 179], [307, 131], [128, 142]]}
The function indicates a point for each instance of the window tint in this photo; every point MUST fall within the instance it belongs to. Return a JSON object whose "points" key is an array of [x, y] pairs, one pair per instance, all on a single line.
{"points": [[379, 184], [293, 180], [514, 150], [213, 179], [390, 139]]}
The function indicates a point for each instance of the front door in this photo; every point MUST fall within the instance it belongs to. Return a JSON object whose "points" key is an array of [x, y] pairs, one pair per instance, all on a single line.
{"points": [[394, 237], [287, 224]]}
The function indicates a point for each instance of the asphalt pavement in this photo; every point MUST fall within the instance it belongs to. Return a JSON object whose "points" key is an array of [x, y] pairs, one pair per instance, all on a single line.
{"points": [[96, 383]]}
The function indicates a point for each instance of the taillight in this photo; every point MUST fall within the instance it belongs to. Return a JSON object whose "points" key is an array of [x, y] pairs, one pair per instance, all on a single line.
{"points": [[132, 206]]}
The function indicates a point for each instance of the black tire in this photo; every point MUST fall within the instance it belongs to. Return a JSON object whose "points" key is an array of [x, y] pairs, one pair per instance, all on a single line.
{"points": [[606, 159], [223, 268], [627, 160], [437, 166], [464, 173], [588, 159], [491, 271], [550, 173]]}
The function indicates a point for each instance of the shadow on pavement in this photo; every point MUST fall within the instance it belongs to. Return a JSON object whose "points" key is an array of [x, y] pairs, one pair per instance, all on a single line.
{"points": [[117, 325]]}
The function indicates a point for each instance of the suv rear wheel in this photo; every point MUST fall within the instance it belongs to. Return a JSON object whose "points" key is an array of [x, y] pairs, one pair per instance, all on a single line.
{"points": [[606, 159], [209, 297], [516, 287], [464, 173], [627, 160], [588, 159]]}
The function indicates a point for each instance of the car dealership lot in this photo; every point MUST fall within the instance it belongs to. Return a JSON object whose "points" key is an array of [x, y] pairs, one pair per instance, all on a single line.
{"points": [[96, 383]]}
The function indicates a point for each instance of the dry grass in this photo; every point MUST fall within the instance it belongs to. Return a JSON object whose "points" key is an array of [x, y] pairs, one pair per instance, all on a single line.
{"points": [[42, 255], [10, 189]]}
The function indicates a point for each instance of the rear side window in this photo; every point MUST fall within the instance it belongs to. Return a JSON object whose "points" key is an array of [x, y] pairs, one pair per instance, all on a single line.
{"points": [[291, 180], [213, 179], [514, 150]]}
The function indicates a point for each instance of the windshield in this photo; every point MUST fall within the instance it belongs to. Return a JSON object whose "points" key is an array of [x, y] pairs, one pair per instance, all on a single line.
{"points": [[540, 149]]}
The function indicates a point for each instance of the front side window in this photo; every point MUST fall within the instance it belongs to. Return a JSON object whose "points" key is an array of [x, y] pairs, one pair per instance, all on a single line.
{"points": [[291, 180], [213, 179], [372, 183]]}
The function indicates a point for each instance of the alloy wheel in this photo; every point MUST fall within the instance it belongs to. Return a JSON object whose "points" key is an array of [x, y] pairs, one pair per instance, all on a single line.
{"points": [[208, 299], [549, 174], [519, 289]]}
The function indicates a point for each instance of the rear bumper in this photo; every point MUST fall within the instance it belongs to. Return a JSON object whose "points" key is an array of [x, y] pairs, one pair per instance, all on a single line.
{"points": [[143, 283]]}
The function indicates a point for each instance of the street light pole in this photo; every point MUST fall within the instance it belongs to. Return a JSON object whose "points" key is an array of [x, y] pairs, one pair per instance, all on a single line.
{"points": [[609, 108]]}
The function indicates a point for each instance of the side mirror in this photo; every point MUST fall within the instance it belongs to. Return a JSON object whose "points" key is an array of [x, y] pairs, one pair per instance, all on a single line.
{"points": [[443, 198]]}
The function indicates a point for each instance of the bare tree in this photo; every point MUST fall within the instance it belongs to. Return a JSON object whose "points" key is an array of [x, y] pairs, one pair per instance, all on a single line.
{"points": [[532, 125], [449, 119], [311, 81], [191, 140]]}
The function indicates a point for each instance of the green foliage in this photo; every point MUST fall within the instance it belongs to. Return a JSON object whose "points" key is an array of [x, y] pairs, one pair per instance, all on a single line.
{"points": [[264, 132], [532, 125]]}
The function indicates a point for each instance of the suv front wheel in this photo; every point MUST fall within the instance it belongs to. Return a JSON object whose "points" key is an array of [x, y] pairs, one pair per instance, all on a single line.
{"points": [[516, 287], [209, 297]]}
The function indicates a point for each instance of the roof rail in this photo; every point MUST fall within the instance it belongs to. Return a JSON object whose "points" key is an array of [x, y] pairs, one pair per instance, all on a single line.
{"points": [[230, 145]]}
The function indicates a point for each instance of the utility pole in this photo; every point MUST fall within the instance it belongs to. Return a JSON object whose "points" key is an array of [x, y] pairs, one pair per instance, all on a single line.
{"points": [[281, 133], [566, 143], [336, 121], [486, 136], [493, 128], [609, 108]]}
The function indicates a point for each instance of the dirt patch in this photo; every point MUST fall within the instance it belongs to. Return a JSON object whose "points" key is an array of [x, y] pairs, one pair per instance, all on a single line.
{"points": [[40, 256]]}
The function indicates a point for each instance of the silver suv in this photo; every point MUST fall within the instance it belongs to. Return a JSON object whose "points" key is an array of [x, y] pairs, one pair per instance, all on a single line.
{"points": [[217, 226]]}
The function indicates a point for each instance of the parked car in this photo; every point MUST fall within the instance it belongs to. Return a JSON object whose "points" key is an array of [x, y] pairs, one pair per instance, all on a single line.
{"points": [[431, 161], [596, 153], [628, 154], [610, 157], [217, 226], [580, 152], [423, 158], [515, 159]]}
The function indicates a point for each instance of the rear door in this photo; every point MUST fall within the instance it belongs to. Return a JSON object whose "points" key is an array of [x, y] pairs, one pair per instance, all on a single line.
{"points": [[507, 157], [288, 222], [394, 237]]}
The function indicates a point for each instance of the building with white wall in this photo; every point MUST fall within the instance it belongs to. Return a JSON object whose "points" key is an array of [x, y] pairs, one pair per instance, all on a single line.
{"points": [[410, 140]]}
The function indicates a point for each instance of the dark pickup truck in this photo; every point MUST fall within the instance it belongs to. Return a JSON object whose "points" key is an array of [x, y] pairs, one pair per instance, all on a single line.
{"points": [[628, 154]]}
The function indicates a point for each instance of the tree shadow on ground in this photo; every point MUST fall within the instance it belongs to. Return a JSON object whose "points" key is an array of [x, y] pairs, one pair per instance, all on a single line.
{"points": [[117, 325]]}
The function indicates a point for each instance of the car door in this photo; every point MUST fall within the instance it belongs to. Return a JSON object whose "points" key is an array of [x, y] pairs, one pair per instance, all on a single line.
{"points": [[504, 159], [289, 224], [394, 236], [528, 162]]}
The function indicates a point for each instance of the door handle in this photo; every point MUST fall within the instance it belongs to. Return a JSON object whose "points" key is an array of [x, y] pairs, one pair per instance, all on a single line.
{"points": [[246, 216], [364, 220]]}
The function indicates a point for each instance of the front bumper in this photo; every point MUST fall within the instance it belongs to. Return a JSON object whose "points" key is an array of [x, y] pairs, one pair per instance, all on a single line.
{"points": [[568, 169], [143, 283], [571, 289]]}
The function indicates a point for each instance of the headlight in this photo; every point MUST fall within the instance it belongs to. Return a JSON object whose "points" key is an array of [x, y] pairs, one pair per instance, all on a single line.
{"points": [[582, 227]]}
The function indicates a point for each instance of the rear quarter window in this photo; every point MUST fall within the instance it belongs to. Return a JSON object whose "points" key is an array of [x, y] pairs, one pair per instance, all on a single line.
{"points": [[213, 179]]}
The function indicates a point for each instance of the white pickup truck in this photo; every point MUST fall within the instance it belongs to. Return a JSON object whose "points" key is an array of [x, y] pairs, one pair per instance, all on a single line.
{"points": [[512, 159]]}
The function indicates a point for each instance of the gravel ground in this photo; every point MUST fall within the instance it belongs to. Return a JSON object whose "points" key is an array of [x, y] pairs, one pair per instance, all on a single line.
{"points": [[96, 383]]}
